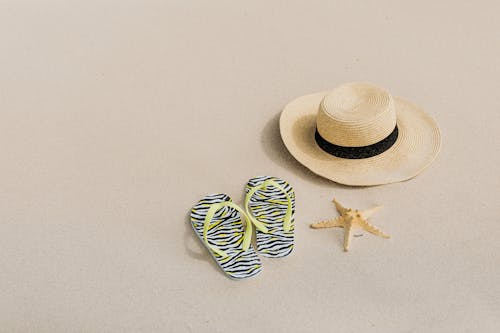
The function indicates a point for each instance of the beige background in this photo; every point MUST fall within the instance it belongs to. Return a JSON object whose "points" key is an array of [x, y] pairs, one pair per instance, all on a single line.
{"points": [[117, 116]]}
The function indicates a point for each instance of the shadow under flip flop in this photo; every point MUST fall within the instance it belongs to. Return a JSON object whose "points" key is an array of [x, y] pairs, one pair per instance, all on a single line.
{"points": [[192, 245]]}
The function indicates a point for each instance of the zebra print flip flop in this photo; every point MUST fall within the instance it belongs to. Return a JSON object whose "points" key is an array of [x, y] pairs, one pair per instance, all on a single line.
{"points": [[218, 222], [271, 201]]}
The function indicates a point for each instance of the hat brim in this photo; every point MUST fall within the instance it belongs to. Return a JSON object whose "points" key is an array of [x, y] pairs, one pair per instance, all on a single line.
{"points": [[417, 145]]}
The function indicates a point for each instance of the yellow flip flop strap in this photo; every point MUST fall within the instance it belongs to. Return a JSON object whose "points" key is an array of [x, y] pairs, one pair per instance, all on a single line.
{"points": [[287, 220], [247, 236]]}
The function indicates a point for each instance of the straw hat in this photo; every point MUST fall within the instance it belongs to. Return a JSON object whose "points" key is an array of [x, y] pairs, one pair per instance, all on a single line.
{"points": [[358, 134]]}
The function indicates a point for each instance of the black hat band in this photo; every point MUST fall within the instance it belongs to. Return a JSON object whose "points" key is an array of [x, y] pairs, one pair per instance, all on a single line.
{"points": [[357, 152]]}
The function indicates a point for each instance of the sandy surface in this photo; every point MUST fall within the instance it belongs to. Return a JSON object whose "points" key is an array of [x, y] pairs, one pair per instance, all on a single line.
{"points": [[115, 118]]}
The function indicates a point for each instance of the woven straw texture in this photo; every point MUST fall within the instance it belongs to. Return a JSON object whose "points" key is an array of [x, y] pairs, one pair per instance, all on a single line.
{"points": [[417, 145]]}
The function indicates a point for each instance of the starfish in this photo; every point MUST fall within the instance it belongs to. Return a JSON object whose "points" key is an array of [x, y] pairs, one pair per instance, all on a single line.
{"points": [[349, 218]]}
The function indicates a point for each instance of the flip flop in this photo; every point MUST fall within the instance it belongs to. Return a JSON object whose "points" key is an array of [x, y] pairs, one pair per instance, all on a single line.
{"points": [[218, 222], [271, 201]]}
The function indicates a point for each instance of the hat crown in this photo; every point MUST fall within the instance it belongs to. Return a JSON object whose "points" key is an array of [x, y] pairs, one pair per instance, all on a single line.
{"points": [[356, 115]]}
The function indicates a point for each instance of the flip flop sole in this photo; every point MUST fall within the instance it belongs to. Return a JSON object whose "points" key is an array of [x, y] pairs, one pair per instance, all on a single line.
{"points": [[269, 205], [226, 233]]}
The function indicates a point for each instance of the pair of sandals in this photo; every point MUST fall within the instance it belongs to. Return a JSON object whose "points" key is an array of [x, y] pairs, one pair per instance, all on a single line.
{"points": [[269, 207]]}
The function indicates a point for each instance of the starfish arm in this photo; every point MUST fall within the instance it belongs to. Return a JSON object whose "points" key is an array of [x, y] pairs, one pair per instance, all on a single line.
{"points": [[336, 222], [369, 212], [341, 209], [347, 235], [371, 228]]}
